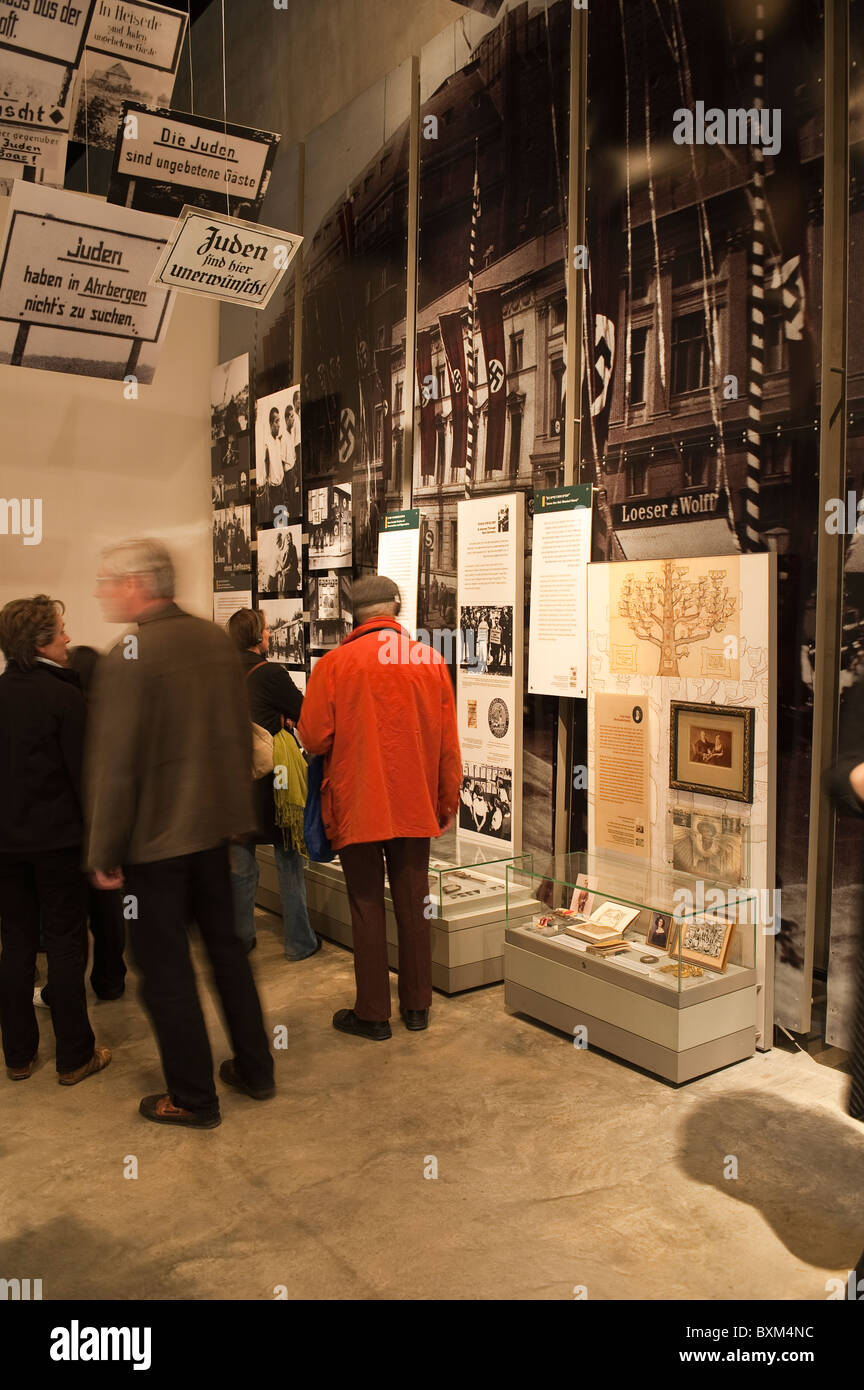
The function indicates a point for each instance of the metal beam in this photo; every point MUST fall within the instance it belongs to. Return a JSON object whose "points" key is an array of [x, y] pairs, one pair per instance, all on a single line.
{"points": [[572, 424], [832, 469]]}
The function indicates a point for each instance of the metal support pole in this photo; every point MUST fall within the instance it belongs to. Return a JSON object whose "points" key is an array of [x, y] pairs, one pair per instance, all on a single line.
{"points": [[572, 423], [832, 466], [409, 394]]}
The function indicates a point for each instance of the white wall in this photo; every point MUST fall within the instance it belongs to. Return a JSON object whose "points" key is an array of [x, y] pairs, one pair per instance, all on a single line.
{"points": [[108, 469]]}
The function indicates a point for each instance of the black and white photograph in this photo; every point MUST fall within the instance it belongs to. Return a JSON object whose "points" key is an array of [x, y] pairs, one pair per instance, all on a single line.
{"points": [[278, 456], [486, 641], [230, 469], [284, 622], [328, 599], [709, 846], [486, 800], [280, 557], [229, 398], [231, 548], [328, 512]]}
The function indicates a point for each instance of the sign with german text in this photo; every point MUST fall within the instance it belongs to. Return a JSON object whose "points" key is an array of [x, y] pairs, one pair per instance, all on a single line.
{"points": [[558, 634], [225, 258], [165, 160], [50, 29], [36, 155], [75, 293], [131, 54]]}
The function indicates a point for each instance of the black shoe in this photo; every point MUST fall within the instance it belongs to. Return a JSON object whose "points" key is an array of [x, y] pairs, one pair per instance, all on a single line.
{"points": [[229, 1074], [347, 1022], [415, 1020], [162, 1111], [107, 994]]}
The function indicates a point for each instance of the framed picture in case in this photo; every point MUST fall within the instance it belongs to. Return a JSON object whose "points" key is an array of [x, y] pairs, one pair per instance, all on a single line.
{"points": [[711, 749]]}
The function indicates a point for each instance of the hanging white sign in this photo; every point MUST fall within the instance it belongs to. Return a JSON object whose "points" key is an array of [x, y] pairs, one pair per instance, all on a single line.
{"points": [[225, 258]]}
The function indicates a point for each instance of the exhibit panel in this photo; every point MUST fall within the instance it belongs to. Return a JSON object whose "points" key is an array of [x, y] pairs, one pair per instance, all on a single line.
{"points": [[490, 676], [655, 966], [682, 726]]}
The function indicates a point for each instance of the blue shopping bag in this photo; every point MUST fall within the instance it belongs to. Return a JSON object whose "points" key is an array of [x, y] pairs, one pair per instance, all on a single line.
{"points": [[317, 844]]}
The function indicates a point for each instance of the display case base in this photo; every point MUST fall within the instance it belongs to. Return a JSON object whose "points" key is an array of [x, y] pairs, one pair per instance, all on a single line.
{"points": [[467, 951], [679, 1038]]}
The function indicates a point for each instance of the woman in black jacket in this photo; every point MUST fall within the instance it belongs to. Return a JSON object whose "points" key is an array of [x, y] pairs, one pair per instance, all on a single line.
{"points": [[41, 833]]}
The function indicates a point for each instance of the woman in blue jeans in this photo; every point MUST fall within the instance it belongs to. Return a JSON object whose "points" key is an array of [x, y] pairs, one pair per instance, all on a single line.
{"points": [[274, 702]]}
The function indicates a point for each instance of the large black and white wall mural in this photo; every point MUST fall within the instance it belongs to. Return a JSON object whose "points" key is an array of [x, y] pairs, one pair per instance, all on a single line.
{"points": [[354, 304]]}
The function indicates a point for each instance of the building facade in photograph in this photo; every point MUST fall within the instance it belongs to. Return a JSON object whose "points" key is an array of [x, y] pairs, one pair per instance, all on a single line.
{"points": [[492, 309], [355, 285]]}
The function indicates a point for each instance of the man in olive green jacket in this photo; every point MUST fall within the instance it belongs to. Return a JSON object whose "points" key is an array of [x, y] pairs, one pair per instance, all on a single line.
{"points": [[168, 786]]}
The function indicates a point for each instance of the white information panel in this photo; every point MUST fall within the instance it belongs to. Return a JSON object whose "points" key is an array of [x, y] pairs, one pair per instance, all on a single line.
{"points": [[490, 587], [399, 559], [558, 632]]}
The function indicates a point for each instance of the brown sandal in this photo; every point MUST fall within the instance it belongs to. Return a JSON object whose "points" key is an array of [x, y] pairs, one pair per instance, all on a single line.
{"points": [[98, 1062]]}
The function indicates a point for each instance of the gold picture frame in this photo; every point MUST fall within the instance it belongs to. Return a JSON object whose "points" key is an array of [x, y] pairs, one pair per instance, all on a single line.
{"points": [[702, 932], [711, 749]]}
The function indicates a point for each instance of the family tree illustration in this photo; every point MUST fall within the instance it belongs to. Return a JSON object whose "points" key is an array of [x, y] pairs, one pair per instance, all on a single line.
{"points": [[673, 612]]}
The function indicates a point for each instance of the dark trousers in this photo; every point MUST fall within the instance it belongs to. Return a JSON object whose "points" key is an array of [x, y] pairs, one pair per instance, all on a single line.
{"points": [[408, 872], [170, 894], [109, 941], [47, 889]]}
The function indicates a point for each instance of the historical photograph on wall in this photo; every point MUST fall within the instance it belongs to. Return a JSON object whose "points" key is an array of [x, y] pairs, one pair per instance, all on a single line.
{"points": [[284, 619], [486, 800], [486, 639], [230, 456], [492, 308], [278, 457], [354, 298], [328, 517], [280, 558], [232, 565], [709, 846], [328, 600], [702, 327]]}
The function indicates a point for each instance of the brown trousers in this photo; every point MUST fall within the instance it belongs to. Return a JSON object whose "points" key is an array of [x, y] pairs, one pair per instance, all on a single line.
{"points": [[408, 872]]}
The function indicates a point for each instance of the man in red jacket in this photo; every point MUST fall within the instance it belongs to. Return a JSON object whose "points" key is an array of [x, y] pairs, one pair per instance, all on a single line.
{"points": [[380, 709]]}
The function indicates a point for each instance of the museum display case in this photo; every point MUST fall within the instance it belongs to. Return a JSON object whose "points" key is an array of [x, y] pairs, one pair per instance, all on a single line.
{"points": [[467, 907], [657, 967]]}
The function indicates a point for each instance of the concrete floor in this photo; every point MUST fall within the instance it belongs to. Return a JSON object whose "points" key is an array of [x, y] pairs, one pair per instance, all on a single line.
{"points": [[558, 1169]]}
